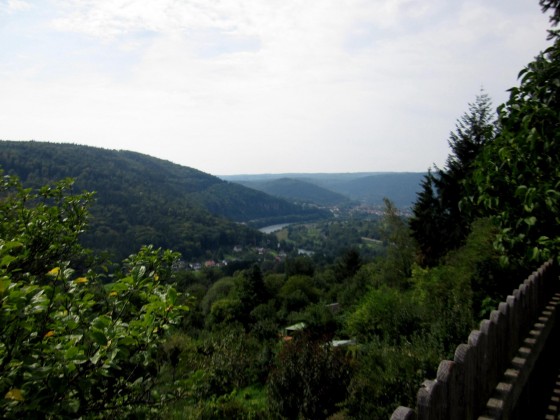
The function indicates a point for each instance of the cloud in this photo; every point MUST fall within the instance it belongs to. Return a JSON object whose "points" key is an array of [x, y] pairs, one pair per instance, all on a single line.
{"points": [[113, 18], [253, 86], [13, 6]]}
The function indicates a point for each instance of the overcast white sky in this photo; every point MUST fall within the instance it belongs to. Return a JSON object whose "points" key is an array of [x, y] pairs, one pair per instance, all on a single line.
{"points": [[260, 86]]}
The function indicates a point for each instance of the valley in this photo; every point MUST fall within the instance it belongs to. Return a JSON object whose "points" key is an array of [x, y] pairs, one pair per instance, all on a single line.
{"points": [[143, 200]]}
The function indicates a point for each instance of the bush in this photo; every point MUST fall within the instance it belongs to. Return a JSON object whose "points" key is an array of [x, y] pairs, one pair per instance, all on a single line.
{"points": [[309, 380], [75, 344], [386, 376], [386, 313]]}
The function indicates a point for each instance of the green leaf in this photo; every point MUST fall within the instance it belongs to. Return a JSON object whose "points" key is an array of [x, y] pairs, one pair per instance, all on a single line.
{"points": [[71, 366], [119, 286], [4, 284], [74, 405], [11, 245], [128, 280], [521, 191], [530, 221], [95, 358], [98, 337], [7, 260], [102, 322], [74, 354], [127, 341], [171, 296], [138, 382]]}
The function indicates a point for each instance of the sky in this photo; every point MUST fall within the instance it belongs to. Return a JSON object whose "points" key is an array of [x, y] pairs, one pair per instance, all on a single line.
{"points": [[260, 86]]}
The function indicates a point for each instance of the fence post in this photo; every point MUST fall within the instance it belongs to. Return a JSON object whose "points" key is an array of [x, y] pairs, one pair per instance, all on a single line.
{"points": [[491, 355], [465, 380], [498, 319], [447, 377], [430, 401], [513, 326], [403, 413], [478, 342]]}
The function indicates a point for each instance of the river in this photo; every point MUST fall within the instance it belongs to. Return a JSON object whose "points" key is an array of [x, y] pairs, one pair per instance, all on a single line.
{"points": [[273, 228]]}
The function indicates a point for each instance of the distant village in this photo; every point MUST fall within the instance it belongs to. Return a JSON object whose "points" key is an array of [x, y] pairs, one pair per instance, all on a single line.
{"points": [[258, 252]]}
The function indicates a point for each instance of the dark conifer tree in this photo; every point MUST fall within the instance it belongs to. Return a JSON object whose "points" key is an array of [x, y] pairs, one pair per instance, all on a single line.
{"points": [[439, 224], [251, 292], [553, 5], [425, 223], [349, 264]]}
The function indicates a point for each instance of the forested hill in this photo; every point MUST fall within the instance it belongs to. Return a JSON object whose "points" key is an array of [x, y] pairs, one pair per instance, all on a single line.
{"points": [[298, 190], [400, 187], [142, 200], [364, 187]]}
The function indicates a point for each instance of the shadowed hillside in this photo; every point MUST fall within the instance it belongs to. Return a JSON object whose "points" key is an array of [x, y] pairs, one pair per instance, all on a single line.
{"points": [[141, 199]]}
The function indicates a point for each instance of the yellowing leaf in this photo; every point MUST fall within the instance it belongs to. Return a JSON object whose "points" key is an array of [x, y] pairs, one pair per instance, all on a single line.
{"points": [[14, 394], [54, 272], [80, 280], [113, 294], [156, 277], [48, 334]]}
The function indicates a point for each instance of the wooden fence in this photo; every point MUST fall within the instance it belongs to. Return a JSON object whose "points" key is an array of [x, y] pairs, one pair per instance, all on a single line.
{"points": [[489, 373]]}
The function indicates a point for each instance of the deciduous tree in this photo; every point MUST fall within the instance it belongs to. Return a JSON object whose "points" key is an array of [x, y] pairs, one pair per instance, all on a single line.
{"points": [[518, 176], [74, 343]]}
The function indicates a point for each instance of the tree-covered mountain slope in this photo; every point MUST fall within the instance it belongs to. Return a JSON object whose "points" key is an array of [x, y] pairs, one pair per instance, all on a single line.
{"points": [[298, 190], [365, 187], [400, 187], [144, 200]]}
